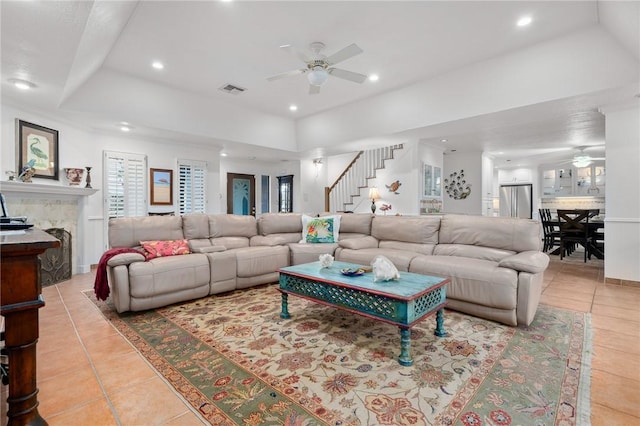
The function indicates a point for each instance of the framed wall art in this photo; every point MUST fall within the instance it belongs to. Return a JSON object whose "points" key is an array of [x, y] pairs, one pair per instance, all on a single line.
{"points": [[161, 187], [40, 145]]}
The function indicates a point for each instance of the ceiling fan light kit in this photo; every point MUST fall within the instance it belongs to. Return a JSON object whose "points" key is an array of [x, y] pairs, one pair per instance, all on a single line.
{"points": [[319, 67], [581, 161]]}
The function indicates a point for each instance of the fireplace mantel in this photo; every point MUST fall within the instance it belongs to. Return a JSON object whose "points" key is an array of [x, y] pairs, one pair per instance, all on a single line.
{"points": [[49, 190]]}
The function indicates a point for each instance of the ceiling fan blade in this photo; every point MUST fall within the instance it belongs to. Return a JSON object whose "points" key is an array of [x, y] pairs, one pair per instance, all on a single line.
{"points": [[293, 51], [287, 74], [344, 54], [314, 90], [347, 75]]}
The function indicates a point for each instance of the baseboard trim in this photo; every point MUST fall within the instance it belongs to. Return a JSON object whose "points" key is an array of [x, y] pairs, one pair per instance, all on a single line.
{"points": [[623, 283]]}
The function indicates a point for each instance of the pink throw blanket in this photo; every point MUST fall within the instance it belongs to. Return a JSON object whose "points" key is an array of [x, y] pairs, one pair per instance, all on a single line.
{"points": [[101, 285]]}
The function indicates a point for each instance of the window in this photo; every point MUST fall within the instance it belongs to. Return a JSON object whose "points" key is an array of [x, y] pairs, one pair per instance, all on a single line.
{"points": [[125, 177], [285, 194], [192, 192], [265, 182]]}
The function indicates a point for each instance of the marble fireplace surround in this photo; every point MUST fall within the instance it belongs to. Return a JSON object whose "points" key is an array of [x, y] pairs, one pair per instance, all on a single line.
{"points": [[53, 206]]}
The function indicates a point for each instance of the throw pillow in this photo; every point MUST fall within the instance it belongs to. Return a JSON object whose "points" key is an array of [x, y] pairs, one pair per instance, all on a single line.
{"points": [[153, 249], [320, 229]]}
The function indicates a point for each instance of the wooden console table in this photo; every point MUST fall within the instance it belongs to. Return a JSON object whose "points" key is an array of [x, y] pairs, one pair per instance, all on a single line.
{"points": [[20, 300]]}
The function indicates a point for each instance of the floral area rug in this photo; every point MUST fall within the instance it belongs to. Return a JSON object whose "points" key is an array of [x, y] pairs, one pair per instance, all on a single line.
{"points": [[237, 362]]}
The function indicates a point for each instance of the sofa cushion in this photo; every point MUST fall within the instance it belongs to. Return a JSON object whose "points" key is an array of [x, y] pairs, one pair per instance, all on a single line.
{"points": [[498, 232], [168, 274], [278, 223], [401, 245], [354, 223], [476, 252], [129, 231], [153, 249], [253, 261], [324, 229], [230, 242], [421, 230], [305, 253], [231, 225], [359, 243], [195, 226], [477, 281]]}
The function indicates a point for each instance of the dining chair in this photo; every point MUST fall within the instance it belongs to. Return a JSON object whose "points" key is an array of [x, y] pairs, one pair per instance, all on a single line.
{"points": [[551, 233], [574, 229]]}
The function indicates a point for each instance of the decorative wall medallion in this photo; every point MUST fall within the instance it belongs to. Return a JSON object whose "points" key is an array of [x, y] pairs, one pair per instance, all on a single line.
{"points": [[393, 187], [456, 186]]}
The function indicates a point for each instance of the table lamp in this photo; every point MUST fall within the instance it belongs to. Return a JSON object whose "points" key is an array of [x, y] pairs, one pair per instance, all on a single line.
{"points": [[374, 195]]}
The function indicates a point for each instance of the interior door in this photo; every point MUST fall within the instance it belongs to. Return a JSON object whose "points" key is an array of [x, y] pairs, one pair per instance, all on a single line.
{"points": [[241, 194]]}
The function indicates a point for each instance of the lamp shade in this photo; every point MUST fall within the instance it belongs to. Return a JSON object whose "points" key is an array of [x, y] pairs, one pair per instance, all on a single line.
{"points": [[318, 76], [374, 194]]}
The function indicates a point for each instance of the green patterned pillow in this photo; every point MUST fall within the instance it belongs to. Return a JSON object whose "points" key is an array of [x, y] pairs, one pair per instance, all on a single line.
{"points": [[320, 229]]}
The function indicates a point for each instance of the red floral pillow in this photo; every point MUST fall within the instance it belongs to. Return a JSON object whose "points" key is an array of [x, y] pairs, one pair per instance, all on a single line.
{"points": [[153, 249]]}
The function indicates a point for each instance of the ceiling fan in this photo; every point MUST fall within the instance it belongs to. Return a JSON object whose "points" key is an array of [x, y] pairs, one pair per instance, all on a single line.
{"points": [[582, 159], [319, 67]]}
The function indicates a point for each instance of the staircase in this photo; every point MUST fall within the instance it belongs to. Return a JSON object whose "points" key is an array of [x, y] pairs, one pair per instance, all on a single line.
{"points": [[339, 196]]}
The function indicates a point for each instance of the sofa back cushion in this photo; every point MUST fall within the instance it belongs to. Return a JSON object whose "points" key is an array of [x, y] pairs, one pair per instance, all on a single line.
{"points": [[498, 232], [280, 223], [195, 226], [232, 225], [355, 223], [413, 247], [420, 230], [129, 231]]}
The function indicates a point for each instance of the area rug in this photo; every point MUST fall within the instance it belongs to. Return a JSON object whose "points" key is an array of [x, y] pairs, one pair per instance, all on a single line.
{"points": [[238, 363]]}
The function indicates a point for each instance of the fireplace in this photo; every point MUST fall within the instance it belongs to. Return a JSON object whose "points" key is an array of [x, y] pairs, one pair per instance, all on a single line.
{"points": [[55, 263], [54, 206]]}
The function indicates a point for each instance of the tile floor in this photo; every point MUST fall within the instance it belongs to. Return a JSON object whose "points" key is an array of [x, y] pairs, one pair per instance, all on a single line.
{"points": [[89, 375]]}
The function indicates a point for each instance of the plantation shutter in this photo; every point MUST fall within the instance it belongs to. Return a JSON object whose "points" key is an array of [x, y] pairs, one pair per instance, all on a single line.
{"points": [[192, 186], [126, 184]]}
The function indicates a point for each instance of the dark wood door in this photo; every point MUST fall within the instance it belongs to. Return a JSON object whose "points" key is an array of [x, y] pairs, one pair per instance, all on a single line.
{"points": [[241, 194]]}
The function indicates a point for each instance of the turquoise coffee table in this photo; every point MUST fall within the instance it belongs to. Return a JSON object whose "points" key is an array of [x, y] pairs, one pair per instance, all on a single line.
{"points": [[402, 303]]}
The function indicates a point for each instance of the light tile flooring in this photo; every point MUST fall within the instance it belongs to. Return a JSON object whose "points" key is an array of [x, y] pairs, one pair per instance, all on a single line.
{"points": [[89, 375]]}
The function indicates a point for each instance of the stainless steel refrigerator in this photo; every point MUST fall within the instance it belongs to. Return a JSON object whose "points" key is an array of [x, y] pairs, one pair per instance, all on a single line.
{"points": [[516, 200]]}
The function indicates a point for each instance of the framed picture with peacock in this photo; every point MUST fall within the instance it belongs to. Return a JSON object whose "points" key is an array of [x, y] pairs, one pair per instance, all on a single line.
{"points": [[37, 149]]}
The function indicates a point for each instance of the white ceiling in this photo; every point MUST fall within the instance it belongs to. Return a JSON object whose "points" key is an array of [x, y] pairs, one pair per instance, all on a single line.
{"points": [[207, 44]]}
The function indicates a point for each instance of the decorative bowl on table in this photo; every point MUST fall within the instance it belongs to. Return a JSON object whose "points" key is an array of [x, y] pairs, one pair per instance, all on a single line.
{"points": [[352, 272]]}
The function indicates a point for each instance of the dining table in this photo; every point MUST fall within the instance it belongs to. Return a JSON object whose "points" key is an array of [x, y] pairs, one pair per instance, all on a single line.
{"points": [[594, 225]]}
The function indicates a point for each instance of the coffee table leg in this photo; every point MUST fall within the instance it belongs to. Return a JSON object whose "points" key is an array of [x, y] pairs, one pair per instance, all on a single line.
{"points": [[405, 347], [284, 313], [440, 324]]}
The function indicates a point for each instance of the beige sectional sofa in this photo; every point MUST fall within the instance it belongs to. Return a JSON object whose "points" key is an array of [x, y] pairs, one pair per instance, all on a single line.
{"points": [[495, 264]]}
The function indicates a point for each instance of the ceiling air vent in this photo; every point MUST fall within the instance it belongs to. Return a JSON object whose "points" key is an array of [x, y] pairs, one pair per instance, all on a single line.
{"points": [[230, 88]]}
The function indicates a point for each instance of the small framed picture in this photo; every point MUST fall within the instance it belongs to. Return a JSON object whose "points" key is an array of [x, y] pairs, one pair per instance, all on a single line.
{"points": [[161, 187], [37, 145]]}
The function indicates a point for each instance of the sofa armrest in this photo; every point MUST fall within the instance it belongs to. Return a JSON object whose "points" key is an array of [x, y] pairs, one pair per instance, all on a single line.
{"points": [[125, 259], [526, 261], [359, 243], [209, 249]]}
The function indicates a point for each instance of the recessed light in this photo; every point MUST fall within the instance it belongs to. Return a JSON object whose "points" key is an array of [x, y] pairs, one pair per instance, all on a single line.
{"points": [[524, 21], [444, 140], [124, 123], [223, 154], [157, 65], [125, 128], [453, 150], [22, 84], [500, 152], [293, 107], [374, 77]]}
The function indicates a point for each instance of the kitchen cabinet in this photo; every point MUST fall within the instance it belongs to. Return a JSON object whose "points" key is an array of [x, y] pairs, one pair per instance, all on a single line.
{"points": [[514, 176], [590, 180], [572, 181], [557, 182]]}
